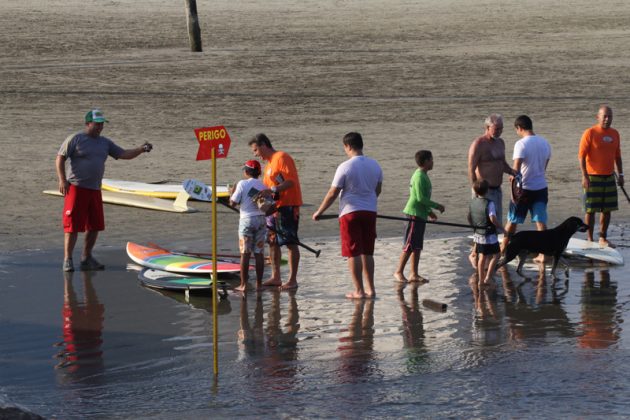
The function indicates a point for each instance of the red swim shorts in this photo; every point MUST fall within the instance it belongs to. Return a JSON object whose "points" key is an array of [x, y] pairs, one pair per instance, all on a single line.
{"points": [[358, 233], [83, 210]]}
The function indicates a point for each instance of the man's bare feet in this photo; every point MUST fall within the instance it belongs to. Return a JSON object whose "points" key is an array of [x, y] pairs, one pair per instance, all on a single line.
{"points": [[603, 242], [272, 283], [400, 277], [370, 295], [289, 286], [241, 288], [417, 279], [355, 295]]}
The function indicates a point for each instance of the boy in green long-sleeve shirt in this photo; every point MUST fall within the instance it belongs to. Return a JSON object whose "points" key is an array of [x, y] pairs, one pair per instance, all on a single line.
{"points": [[419, 209]]}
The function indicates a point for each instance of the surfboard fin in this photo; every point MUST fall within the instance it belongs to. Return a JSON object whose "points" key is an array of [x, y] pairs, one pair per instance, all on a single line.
{"points": [[181, 202]]}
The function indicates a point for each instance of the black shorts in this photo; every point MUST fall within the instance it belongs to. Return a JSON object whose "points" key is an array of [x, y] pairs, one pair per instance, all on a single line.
{"points": [[487, 249], [414, 235]]}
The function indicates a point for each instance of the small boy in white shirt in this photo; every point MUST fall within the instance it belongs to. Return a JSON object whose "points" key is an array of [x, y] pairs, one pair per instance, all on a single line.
{"points": [[252, 230]]}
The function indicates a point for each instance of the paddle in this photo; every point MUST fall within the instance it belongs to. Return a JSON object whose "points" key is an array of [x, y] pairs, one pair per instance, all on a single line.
{"points": [[404, 219], [622, 188], [200, 191]]}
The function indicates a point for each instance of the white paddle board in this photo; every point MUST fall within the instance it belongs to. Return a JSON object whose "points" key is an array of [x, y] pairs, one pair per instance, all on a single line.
{"points": [[141, 201], [592, 250], [170, 191], [583, 248]]}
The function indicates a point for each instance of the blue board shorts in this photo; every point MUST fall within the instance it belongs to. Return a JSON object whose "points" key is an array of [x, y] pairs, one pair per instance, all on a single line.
{"points": [[535, 202], [285, 222]]}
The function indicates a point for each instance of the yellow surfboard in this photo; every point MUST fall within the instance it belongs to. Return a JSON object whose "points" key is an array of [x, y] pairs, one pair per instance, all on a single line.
{"points": [[170, 191], [141, 201]]}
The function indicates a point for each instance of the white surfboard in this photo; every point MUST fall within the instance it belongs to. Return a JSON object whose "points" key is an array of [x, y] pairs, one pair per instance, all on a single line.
{"points": [[141, 201], [592, 250], [583, 248], [169, 191]]}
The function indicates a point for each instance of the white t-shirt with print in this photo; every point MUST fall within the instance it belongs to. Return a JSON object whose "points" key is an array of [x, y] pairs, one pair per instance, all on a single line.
{"points": [[243, 194]]}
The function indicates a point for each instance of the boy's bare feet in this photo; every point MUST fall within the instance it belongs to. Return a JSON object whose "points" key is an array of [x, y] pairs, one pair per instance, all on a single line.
{"points": [[355, 295], [603, 242], [241, 288]]}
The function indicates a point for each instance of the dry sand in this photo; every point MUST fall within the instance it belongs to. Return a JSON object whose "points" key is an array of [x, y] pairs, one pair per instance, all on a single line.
{"points": [[407, 75]]}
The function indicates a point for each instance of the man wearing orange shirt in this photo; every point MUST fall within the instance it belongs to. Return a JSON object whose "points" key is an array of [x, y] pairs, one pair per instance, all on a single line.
{"points": [[598, 154], [280, 175]]}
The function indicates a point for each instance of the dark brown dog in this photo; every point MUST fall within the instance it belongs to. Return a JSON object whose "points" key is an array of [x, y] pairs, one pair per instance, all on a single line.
{"points": [[550, 242]]}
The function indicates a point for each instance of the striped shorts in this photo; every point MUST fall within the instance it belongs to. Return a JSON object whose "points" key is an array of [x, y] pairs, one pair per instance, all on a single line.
{"points": [[601, 195]]}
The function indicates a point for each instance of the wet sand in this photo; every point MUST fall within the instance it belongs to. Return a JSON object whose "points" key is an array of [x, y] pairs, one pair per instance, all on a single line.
{"points": [[407, 76], [99, 345]]}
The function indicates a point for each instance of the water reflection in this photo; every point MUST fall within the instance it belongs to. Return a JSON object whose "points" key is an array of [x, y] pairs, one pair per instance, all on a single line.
{"points": [[356, 349], [273, 348], [535, 309], [486, 330], [198, 300], [484, 297], [81, 355], [412, 327], [600, 328]]}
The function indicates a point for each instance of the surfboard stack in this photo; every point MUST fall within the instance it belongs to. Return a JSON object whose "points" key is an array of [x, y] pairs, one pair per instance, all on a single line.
{"points": [[159, 195], [164, 269]]}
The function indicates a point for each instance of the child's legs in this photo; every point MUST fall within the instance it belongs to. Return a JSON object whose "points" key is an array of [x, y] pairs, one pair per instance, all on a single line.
{"points": [[246, 245], [481, 267], [413, 244], [260, 267], [415, 262], [492, 264], [244, 268]]}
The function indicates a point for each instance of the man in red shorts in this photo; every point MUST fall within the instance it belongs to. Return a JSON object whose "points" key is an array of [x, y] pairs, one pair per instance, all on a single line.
{"points": [[358, 180], [81, 187]]}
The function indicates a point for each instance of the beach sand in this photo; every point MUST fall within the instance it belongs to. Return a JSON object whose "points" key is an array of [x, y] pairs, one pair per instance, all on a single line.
{"points": [[406, 75]]}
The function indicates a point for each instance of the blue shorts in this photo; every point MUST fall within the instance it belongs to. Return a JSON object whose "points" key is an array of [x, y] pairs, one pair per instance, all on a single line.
{"points": [[535, 203], [285, 223]]}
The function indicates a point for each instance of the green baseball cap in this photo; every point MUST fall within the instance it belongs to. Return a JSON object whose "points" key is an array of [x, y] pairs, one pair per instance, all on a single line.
{"points": [[95, 115]]}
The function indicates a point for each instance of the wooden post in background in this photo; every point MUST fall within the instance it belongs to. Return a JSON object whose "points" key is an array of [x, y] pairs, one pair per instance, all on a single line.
{"points": [[194, 32]]}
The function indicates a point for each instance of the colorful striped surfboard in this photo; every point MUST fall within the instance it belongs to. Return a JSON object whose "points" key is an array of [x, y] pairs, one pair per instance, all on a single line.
{"points": [[161, 259], [158, 279]]}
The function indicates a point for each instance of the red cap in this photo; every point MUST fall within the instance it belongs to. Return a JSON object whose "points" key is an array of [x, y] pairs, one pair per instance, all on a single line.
{"points": [[252, 164]]}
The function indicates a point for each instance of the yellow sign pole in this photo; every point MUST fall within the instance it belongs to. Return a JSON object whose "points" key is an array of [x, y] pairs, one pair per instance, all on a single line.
{"points": [[215, 323]]}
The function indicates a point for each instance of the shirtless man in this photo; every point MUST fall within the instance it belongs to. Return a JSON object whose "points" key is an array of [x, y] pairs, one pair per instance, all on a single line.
{"points": [[486, 161]]}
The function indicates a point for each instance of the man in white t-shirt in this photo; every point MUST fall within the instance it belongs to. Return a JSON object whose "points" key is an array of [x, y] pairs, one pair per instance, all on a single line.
{"points": [[358, 182], [252, 229], [531, 157]]}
